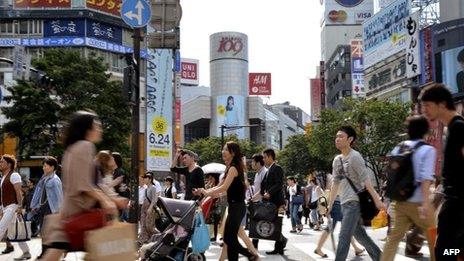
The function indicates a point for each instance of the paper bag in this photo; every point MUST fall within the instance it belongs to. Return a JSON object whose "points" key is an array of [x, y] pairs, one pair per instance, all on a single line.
{"points": [[115, 242], [19, 230]]}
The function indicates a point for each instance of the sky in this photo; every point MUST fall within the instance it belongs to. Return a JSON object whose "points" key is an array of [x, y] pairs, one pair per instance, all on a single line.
{"points": [[283, 39]]}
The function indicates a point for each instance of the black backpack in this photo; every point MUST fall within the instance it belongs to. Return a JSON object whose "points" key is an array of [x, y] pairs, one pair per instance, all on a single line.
{"points": [[400, 173]]}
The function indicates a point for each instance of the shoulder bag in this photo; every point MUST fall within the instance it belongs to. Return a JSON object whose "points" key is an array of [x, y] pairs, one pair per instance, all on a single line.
{"points": [[366, 202]]}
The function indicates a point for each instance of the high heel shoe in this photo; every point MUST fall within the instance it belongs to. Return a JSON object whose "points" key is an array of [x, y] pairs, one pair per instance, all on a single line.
{"points": [[321, 254]]}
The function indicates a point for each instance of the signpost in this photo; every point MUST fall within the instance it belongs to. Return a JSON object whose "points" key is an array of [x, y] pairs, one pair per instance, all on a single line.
{"points": [[136, 13]]}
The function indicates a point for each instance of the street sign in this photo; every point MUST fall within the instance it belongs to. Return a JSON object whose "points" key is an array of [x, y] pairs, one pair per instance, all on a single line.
{"points": [[136, 13]]}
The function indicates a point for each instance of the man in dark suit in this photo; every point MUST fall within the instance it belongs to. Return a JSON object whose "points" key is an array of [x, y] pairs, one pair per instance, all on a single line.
{"points": [[272, 190]]}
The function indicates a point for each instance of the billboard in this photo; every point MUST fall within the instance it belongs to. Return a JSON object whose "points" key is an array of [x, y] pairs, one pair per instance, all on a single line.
{"points": [[259, 84], [385, 33], [316, 98], [104, 31], [231, 112], [347, 11], [357, 68], [106, 6], [159, 104], [452, 69], [413, 46], [228, 45], [64, 27], [384, 77], [189, 70], [427, 63], [42, 4]]}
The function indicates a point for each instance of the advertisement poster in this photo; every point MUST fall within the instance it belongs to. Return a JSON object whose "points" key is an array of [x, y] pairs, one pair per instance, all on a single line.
{"points": [[159, 105], [386, 32], [64, 27], [452, 62], [231, 112], [106, 6]]}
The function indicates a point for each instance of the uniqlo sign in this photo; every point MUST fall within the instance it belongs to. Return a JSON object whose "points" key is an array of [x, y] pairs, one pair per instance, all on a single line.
{"points": [[259, 84], [189, 70]]}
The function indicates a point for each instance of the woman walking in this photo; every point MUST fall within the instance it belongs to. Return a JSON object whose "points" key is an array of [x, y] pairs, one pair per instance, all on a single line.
{"points": [[79, 189], [170, 190], [147, 220], [234, 185]]}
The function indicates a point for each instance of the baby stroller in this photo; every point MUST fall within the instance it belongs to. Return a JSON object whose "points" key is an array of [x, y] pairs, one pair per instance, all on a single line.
{"points": [[173, 242]]}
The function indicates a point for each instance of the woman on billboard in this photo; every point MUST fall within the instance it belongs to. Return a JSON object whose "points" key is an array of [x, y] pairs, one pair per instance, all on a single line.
{"points": [[232, 117], [460, 75]]}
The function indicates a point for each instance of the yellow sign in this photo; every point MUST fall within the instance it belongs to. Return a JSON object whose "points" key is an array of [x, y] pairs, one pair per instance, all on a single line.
{"points": [[160, 125], [159, 153], [221, 110]]}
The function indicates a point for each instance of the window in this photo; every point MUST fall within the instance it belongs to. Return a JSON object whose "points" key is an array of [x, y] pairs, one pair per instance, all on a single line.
{"points": [[35, 26], [23, 24], [6, 28]]}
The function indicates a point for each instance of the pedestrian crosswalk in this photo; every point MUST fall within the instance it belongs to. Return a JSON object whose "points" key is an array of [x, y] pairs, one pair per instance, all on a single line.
{"points": [[300, 247]]}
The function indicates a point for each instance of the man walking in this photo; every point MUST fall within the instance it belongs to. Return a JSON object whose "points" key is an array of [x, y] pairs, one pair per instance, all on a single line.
{"points": [[437, 104], [257, 164], [354, 168], [417, 209], [194, 176], [271, 189]]}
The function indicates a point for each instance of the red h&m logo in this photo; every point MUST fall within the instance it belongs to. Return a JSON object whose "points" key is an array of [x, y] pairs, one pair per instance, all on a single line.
{"points": [[230, 44], [259, 84]]}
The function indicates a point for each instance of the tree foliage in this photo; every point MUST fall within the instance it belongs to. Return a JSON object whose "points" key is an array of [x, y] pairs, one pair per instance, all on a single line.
{"points": [[77, 83], [379, 125], [297, 159], [209, 149]]}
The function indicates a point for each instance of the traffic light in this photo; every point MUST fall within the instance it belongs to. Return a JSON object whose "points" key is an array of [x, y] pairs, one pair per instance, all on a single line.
{"points": [[129, 83]]}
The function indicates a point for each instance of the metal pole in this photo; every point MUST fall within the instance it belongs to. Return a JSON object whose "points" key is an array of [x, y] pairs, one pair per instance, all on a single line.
{"points": [[222, 135], [136, 130]]}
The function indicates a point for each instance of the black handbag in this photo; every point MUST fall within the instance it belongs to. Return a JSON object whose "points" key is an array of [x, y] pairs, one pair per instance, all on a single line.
{"points": [[263, 211], [367, 204], [264, 229]]}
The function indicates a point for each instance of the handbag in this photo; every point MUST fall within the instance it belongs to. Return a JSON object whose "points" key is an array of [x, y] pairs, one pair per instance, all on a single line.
{"points": [[264, 211], [297, 199], [115, 242], [368, 208], [264, 229], [19, 230], [75, 226], [200, 237], [206, 207]]}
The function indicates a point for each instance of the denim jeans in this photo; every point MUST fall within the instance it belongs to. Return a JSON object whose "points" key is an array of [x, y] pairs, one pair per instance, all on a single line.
{"points": [[296, 221], [351, 226]]}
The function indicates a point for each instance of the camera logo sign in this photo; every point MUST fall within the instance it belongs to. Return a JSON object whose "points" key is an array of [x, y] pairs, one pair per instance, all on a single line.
{"points": [[349, 3], [265, 228]]}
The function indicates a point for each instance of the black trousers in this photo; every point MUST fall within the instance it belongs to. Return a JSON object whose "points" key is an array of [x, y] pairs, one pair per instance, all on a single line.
{"points": [[450, 230], [234, 218]]}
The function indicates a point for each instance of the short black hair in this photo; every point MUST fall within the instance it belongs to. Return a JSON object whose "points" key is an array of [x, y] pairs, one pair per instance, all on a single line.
{"points": [[117, 158], [292, 178], [258, 158], [81, 122], [461, 56], [418, 126], [270, 152], [51, 161], [437, 93], [350, 131]]}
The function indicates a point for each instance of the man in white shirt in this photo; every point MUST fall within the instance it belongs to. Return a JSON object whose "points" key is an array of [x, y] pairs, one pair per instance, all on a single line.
{"points": [[257, 164], [11, 201]]}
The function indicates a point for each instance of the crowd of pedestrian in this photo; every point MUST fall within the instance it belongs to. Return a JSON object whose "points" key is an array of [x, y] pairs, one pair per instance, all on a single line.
{"points": [[92, 179]]}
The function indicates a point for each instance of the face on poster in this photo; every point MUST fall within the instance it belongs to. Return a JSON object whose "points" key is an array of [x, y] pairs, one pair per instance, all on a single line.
{"points": [[453, 69], [231, 112]]}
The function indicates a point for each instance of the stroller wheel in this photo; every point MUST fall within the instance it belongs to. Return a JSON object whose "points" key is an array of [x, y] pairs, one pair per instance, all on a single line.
{"points": [[196, 257]]}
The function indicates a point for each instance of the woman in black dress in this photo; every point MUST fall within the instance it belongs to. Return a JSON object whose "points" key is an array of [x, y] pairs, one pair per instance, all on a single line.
{"points": [[234, 184]]}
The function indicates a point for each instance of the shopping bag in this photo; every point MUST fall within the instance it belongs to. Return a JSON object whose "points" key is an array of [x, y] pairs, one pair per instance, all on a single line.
{"points": [[264, 229], [115, 242], [19, 230], [200, 237], [380, 221]]}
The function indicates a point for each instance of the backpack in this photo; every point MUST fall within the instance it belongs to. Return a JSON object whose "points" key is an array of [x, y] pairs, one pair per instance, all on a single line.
{"points": [[400, 173]]}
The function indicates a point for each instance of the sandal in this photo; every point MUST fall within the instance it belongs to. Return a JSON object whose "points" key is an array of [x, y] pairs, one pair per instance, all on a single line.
{"points": [[360, 253], [320, 253]]}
